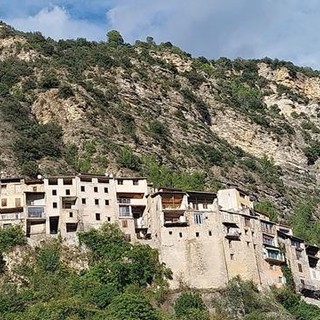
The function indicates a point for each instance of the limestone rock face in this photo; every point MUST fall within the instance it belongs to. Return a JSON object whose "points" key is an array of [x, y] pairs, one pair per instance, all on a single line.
{"points": [[116, 98]]}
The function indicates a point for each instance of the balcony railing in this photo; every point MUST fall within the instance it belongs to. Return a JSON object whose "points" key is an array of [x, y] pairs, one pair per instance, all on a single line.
{"points": [[274, 257], [233, 234], [124, 200], [36, 212], [268, 242], [175, 222], [11, 216]]}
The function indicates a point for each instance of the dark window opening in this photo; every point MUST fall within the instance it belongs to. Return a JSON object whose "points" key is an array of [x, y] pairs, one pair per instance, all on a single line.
{"points": [[54, 205], [68, 192], [83, 200], [71, 227], [95, 189], [54, 192], [197, 234], [54, 223], [98, 216], [210, 233], [70, 214], [82, 188], [180, 234], [106, 202]]}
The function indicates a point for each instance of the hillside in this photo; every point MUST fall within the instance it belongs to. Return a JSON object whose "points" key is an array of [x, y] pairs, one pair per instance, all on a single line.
{"points": [[151, 109]]}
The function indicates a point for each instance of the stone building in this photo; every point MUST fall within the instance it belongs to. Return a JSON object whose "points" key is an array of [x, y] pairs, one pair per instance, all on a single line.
{"points": [[205, 238]]}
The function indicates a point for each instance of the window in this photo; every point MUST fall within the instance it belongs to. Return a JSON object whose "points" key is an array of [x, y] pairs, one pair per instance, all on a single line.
{"points": [[302, 281], [83, 200], [54, 205], [267, 240], [98, 216], [95, 189], [54, 192], [298, 254], [67, 182], [300, 267], [170, 233], [68, 192], [108, 219], [195, 206], [82, 188], [231, 256], [197, 234], [120, 182], [280, 279], [230, 244], [247, 222], [248, 244], [180, 234], [96, 202], [17, 202], [252, 233], [53, 182], [198, 218], [210, 233], [205, 206], [106, 202], [124, 211], [106, 190], [71, 227], [3, 186], [70, 214], [246, 232], [124, 223], [3, 202], [135, 182]]}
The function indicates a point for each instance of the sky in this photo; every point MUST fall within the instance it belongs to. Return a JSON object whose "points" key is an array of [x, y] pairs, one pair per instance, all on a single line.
{"points": [[283, 29]]}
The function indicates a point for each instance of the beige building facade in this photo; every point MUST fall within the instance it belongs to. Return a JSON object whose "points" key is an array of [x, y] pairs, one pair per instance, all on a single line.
{"points": [[205, 238]]}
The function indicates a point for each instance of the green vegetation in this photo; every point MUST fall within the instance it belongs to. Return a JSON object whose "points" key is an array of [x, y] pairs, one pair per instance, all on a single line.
{"points": [[266, 206], [122, 281], [304, 222]]}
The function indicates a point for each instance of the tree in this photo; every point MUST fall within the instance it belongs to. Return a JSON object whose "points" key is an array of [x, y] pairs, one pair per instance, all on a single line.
{"points": [[115, 38]]}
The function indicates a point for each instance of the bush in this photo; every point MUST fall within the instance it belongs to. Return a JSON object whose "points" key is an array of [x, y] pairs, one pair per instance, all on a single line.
{"points": [[10, 237], [127, 159], [186, 302], [131, 306]]}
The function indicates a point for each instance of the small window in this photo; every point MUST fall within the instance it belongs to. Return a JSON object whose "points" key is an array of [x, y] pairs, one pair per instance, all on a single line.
{"points": [[135, 182], [83, 201], [106, 202], [205, 206], [120, 182], [3, 202], [127, 237], [108, 219], [252, 233], [248, 244], [53, 182], [300, 267], [170, 233], [302, 281], [210, 233], [3, 186], [271, 266], [68, 192], [54, 205], [106, 190], [95, 189], [96, 202], [198, 218], [70, 214], [246, 232], [82, 188], [180, 234], [98, 216], [231, 256], [230, 243], [254, 246], [197, 234], [280, 279], [124, 223], [54, 192]]}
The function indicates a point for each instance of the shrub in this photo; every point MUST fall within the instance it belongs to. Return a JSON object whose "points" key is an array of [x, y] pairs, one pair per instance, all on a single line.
{"points": [[131, 306], [188, 301], [11, 236], [127, 159]]}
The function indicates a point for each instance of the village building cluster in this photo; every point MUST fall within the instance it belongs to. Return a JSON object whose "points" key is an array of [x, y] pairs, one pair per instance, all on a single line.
{"points": [[206, 238]]}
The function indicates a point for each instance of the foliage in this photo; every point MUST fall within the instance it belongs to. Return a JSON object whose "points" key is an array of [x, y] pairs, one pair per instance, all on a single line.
{"points": [[162, 176], [159, 132], [266, 206], [131, 306], [127, 159], [11, 236], [293, 303], [189, 305], [115, 38], [303, 222]]}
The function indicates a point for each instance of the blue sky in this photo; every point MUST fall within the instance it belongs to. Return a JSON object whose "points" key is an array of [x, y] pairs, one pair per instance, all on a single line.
{"points": [[284, 29]]}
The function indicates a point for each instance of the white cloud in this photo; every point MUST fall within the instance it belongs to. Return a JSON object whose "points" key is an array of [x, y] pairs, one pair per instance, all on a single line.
{"points": [[55, 22]]}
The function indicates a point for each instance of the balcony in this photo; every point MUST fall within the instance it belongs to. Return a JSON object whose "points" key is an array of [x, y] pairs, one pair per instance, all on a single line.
{"points": [[274, 257], [175, 220], [124, 200], [139, 224], [11, 216], [233, 234], [35, 212]]}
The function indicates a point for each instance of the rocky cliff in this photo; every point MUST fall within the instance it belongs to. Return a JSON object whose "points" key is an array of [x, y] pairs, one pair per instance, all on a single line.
{"points": [[78, 106]]}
